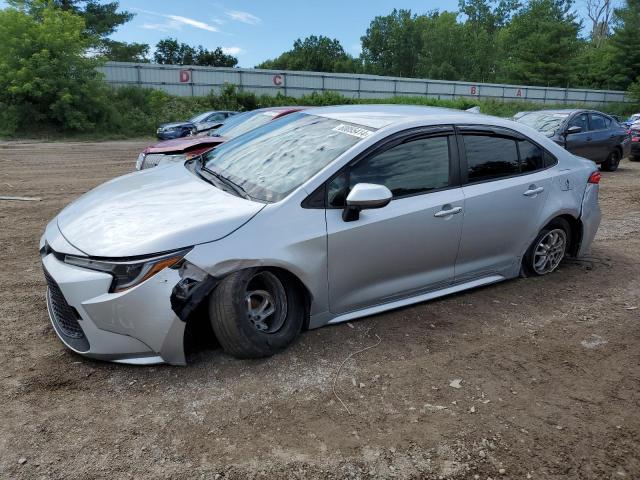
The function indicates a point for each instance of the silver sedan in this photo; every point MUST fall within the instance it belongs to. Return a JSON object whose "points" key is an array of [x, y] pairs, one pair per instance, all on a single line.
{"points": [[323, 216]]}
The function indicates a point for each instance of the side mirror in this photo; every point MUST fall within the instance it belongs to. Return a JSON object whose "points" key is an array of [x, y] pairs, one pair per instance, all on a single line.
{"points": [[572, 130], [364, 196]]}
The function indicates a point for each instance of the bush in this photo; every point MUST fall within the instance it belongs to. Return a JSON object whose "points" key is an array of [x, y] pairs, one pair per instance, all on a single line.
{"points": [[45, 76]]}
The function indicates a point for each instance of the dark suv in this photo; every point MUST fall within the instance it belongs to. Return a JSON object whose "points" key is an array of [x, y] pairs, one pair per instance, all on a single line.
{"points": [[586, 133]]}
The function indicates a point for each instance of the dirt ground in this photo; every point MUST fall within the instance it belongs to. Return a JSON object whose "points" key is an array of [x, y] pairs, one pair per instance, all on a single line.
{"points": [[549, 369]]}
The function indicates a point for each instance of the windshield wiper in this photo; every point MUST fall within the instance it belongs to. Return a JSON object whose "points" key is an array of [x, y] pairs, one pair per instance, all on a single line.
{"points": [[229, 183]]}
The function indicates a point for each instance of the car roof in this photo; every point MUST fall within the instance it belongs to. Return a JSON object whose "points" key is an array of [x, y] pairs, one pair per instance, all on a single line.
{"points": [[293, 108], [568, 111], [379, 116]]}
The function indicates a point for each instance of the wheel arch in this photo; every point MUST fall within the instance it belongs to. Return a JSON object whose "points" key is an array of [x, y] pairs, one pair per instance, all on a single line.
{"points": [[288, 276], [575, 224]]}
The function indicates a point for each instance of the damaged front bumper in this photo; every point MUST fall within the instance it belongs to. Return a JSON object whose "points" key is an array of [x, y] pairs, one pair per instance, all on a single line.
{"points": [[137, 326]]}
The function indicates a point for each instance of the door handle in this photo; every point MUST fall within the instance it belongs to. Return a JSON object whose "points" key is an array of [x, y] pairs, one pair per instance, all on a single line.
{"points": [[447, 213], [533, 191]]}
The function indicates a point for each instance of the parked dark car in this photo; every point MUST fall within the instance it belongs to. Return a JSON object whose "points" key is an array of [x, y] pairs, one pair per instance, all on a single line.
{"points": [[635, 144], [586, 133], [200, 123]]}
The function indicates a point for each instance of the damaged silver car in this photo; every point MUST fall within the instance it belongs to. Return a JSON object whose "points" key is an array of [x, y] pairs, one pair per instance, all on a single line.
{"points": [[323, 216]]}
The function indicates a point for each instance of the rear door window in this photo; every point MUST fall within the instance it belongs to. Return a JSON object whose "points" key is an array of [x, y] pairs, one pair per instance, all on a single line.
{"points": [[531, 157], [598, 122], [490, 157]]}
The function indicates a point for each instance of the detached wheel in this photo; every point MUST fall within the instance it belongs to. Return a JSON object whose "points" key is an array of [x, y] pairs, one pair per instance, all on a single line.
{"points": [[548, 249], [612, 162], [256, 313]]}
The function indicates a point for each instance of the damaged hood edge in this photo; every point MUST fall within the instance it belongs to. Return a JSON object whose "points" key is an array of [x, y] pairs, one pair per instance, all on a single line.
{"points": [[151, 211]]}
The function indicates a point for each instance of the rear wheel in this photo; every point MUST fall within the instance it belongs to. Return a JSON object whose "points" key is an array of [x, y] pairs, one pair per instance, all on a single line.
{"points": [[548, 249], [256, 313], [612, 162]]}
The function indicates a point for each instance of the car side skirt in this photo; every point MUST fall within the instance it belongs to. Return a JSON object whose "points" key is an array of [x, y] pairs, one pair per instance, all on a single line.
{"points": [[322, 319]]}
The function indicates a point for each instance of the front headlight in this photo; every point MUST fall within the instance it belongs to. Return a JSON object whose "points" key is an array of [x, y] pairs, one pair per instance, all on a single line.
{"points": [[155, 159], [127, 274], [140, 161]]}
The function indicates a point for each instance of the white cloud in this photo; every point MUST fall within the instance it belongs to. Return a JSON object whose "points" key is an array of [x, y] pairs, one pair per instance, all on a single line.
{"points": [[191, 22], [244, 17], [162, 27], [174, 22], [232, 50]]}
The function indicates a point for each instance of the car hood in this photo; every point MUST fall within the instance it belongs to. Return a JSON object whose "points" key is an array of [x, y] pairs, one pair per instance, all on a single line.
{"points": [[182, 144], [151, 211]]}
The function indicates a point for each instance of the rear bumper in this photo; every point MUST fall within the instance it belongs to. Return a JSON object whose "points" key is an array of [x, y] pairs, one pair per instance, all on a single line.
{"points": [[590, 217], [136, 326]]}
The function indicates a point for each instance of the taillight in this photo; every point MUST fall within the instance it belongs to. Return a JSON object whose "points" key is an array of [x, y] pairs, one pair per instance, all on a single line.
{"points": [[595, 177]]}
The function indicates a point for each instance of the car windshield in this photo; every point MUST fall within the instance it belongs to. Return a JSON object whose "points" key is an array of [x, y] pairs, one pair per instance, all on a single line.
{"points": [[199, 118], [545, 122], [271, 161], [243, 122]]}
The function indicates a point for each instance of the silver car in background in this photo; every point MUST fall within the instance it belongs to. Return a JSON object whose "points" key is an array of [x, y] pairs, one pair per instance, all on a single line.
{"points": [[323, 216]]}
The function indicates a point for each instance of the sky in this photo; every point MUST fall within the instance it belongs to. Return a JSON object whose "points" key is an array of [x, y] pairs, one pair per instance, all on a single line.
{"points": [[257, 30]]}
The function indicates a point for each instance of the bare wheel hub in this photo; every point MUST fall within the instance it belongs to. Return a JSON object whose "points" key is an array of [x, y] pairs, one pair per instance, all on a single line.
{"points": [[550, 251], [266, 302]]}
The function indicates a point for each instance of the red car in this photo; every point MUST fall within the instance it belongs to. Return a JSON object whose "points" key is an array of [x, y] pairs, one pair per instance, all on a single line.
{"points": [[181, 149]]}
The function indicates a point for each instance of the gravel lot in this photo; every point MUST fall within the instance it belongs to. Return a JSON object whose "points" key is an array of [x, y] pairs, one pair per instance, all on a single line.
{"points": [[549, 369]]}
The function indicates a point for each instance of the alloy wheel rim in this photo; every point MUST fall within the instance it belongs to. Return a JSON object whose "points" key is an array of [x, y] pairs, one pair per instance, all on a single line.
{"points": [[266, 302], [550, 251]]}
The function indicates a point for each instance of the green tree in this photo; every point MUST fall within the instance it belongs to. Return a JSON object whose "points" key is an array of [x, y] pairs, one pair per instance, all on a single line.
{"points": [[392, 44], [214, 58], [316, 54], [126, 52], [634, 90], [540, 44], [45, 74], [593, 66], [443, 55], [625, 44], [101, 19], [171, 52]]}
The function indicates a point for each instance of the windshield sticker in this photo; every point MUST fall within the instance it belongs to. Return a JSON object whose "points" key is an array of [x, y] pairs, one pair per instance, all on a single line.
{"points": [[353, 131]]}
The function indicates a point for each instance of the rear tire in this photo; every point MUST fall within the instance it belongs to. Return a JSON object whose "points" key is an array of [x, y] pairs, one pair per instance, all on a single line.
{"points": [[256, 313], [612, 162], [548, 249]]}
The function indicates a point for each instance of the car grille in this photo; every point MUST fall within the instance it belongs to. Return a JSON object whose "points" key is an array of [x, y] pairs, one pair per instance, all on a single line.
{"points": [[63, 314]]}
